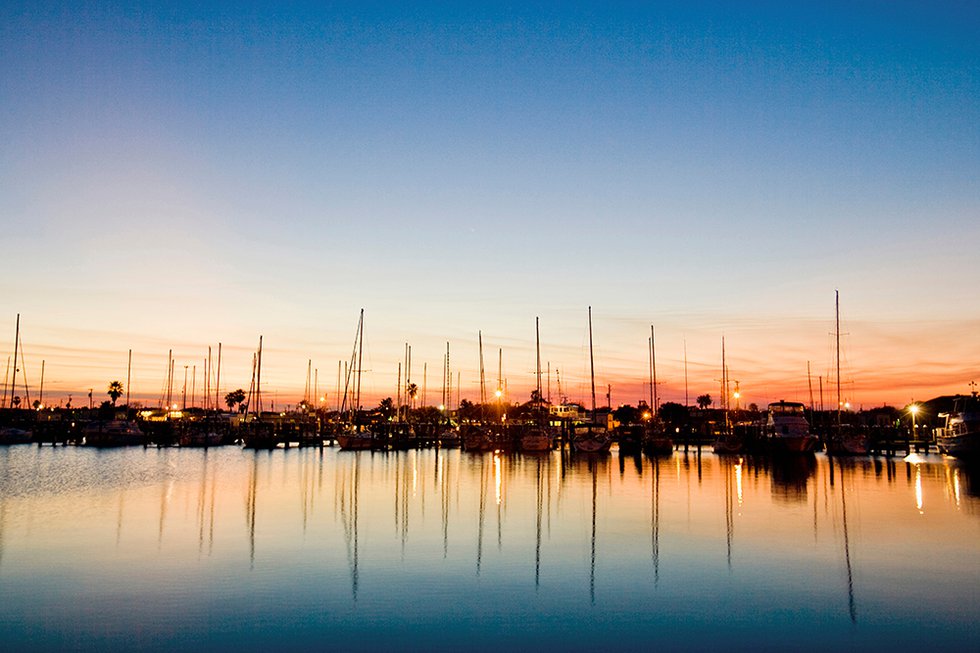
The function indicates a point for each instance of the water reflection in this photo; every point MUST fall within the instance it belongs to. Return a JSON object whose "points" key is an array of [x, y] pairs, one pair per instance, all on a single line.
{"points": [[351, 538]]}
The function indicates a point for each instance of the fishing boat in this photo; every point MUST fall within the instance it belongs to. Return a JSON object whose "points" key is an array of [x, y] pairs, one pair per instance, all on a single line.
{"points": [[591, 438], [787, 428], [960, 436], [113, 433]]}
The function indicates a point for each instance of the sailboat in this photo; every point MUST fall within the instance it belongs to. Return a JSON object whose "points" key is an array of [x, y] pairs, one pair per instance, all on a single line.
{"points": [[537, 436], [477, 437], [354, 435], [656, 441], [844, 439], [591, 438], [729, 441], [258, 434]]}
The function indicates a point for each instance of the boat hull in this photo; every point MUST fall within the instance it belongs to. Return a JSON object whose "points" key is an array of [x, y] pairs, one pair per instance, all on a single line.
{"points": [[963, 445], [535, 440], [593, 442], [355, 441]]}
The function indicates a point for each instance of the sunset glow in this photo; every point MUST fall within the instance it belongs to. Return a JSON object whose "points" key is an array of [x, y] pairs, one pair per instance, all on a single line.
{"points": [[712, 171]]}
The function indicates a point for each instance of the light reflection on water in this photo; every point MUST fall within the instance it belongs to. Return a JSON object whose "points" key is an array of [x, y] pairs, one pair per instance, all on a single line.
{"points": [[233, 549]]}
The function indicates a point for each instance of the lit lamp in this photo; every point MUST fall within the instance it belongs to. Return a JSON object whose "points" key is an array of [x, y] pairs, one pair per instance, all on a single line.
{"points": [[914, 410]]}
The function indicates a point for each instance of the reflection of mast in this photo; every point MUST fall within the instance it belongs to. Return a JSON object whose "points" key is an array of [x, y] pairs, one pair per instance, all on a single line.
{"points": [[445, 504], [592, 464], [655, 519], [729, 516], [498, 486], [350, 523], [250, 509], [483, 503], [851, 607], [119, 516], [537, 545]]}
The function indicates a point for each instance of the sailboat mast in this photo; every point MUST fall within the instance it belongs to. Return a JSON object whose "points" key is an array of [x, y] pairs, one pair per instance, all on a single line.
{"points": [[687, 401], [650, 360], [217, 382], [13, 383], [837, 336], [809, 382], [724, 382], [360, 359], [129, 371], [653, 364], [40, 398], [483, 387], [592, 366], [258, 381], [537, 340]]}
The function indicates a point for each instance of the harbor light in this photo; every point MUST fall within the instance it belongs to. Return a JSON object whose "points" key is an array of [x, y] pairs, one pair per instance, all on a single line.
{"points": [[499, 393], [442, 408]]}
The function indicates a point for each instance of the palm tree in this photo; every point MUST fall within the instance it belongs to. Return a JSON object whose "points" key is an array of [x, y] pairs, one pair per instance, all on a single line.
{"points": [[704, 401], [115, 391], [413, 390], [234, 397]]}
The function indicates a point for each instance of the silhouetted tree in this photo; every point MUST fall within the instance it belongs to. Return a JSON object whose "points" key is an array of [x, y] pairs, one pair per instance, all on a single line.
{"points": [[234, 397], [704, 401], [626, 414], [115, 391], [674, 414], [386, 408]]}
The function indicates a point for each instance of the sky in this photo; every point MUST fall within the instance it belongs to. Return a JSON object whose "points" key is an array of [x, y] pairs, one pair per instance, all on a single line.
{"points": [[174, 175]]}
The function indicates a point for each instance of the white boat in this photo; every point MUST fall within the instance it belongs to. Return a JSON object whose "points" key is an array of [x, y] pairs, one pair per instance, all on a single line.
{"points": [[960, 436], [787, 428]]}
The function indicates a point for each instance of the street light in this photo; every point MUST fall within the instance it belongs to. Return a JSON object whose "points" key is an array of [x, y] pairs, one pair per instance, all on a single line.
{"points": [[914, 410]]}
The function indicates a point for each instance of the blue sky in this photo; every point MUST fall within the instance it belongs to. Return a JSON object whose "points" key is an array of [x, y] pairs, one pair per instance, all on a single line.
{"points": [[178, 174]]}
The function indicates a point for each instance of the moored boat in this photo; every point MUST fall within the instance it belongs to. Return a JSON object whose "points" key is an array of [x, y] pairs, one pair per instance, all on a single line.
{"points": [[591, 439], [656, 441], [476, 437], [787, 428], [113, 433], [847, 440], [960, 437], [536, 438], [14, 435], [355, 439]]}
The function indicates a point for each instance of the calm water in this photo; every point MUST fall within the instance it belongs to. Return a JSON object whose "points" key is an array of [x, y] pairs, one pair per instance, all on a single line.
{"points": [[236, 550]]}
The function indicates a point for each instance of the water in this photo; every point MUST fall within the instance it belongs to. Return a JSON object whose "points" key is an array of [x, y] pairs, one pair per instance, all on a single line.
{"points": [[159, 549]]}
